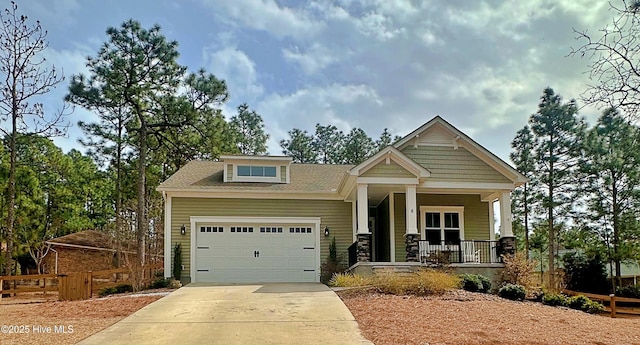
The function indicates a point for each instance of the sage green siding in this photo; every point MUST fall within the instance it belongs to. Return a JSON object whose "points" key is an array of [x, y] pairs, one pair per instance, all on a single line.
{"points": [[449, 164], [283, 173], [230, 172], [392, 169], [333, 214], [476, 216]]}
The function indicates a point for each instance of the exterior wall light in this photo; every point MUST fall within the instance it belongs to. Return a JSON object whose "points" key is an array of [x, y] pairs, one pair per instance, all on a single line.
{"points": [[326, 231], [183, 230]]}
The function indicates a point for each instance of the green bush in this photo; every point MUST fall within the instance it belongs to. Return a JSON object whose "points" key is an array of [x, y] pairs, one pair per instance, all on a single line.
{"points": [[555, 300], [115, 289], [576, 302], [631, 291], [159, 284], [585, 272], [513, 292], [332, 266], [475, 282], [592, 307], [177, 261]]}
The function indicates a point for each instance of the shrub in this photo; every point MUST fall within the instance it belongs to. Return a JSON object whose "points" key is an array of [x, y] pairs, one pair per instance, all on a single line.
{"points": [[631, 291], [592, 307], [177, 261], [475, 283], [576, 302], [486, 283], [115, 289], [420, 283], [347, 280], [555, 300], [159, 283], [332, 266], [518, 270], [585, 273], [513, 292]]}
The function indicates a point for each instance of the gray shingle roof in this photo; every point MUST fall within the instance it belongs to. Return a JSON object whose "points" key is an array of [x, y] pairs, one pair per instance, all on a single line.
{"points": [[208, 175]]}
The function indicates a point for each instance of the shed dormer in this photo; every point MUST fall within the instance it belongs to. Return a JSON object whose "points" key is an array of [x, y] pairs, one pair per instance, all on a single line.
{"points": [[266, 169]]}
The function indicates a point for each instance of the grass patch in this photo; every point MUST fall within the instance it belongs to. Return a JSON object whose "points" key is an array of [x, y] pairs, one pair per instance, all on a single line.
{"points": [[348, 280], [420, 283]]}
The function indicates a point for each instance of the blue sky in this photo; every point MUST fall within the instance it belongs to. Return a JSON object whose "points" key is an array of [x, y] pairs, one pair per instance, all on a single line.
{"points": [[481, 65]]}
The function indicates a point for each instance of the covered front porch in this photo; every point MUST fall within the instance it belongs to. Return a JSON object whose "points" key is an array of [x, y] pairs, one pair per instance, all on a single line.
{"points": [[414, 223]]}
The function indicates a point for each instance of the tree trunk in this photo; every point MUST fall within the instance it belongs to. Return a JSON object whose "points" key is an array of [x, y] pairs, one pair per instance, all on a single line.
{"points": [[11, 192], [526, 221], [142, 225], [616, 235], [550, 220]]}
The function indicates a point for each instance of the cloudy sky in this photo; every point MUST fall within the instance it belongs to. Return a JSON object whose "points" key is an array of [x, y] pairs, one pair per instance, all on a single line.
{"points": [[481, 65]]}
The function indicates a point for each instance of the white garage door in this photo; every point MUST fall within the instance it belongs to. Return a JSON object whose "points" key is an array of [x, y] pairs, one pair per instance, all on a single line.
{"points": [[255, 252]]}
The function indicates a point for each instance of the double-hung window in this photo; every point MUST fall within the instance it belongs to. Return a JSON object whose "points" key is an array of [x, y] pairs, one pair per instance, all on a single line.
{"points": [[442, 225]]}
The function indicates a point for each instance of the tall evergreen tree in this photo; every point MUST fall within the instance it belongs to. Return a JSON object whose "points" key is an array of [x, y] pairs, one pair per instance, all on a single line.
{"points": [[249, 128], [327, 144], [610, 161], [358, 146], [558, 131], [524, 159], [299, 146], [138, 69]]}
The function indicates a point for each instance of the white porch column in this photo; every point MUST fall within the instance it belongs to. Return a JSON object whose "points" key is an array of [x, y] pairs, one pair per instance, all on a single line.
{"points": [[410, 208], [363, 210], [492, 230], [505, 215]]}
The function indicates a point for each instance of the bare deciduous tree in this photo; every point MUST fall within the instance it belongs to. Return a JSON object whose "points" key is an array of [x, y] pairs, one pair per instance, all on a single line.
{"points": [[25, 77]]}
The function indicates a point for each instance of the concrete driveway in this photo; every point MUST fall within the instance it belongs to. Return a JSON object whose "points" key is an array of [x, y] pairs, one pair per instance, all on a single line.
{"points": [[303, 313]]}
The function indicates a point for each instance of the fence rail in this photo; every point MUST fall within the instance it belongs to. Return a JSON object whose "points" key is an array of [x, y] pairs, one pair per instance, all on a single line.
{"points": [[614, 308], [76, 285]]}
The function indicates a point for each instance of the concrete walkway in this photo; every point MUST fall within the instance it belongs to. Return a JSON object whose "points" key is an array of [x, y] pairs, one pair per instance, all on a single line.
{"points": [[304, 313]]}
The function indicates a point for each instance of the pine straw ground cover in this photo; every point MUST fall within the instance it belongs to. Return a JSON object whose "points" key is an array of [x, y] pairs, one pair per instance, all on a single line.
{"points": [[459, 317], [86, 317]]}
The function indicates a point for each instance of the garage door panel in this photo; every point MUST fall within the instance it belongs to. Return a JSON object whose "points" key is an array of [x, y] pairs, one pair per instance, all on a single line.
{"points": [[256, 253]]}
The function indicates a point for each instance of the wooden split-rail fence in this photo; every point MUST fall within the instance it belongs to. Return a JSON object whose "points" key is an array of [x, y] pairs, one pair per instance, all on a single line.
{"points": [[613, 304], [73, 286]]}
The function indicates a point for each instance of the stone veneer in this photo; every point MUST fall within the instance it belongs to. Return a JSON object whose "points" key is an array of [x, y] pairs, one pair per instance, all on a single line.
{"points": [[364, 247], [507, 245], [412, 242]]}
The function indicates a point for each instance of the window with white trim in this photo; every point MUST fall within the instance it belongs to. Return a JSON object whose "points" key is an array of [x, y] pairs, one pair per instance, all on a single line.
{"points": [[442, 225], [257, 171]]}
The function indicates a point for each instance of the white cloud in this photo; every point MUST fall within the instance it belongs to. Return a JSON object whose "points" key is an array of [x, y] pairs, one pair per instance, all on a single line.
{"points": [[237, 69], [265, 15], [304, 108], [312, 60], [379, 26]]}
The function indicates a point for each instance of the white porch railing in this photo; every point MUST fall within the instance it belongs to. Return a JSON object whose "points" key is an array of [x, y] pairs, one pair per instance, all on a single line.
{"points": [[467, 251]]}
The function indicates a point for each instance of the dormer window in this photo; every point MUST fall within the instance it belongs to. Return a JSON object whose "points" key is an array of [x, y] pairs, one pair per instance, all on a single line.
{"points": [[266, 169], [257, 171]]}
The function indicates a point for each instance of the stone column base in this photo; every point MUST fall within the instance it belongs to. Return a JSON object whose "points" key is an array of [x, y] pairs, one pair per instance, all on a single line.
{"points": [[364, 247], [507, 245], [412, 245]]}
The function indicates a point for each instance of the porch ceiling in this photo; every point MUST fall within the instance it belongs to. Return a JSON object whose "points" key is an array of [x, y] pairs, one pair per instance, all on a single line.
{"points": [[377, 192]]}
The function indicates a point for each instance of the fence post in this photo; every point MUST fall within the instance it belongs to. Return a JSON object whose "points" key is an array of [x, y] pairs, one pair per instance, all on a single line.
{"points": [[90, 284], [612, 304], [1, 287]]}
